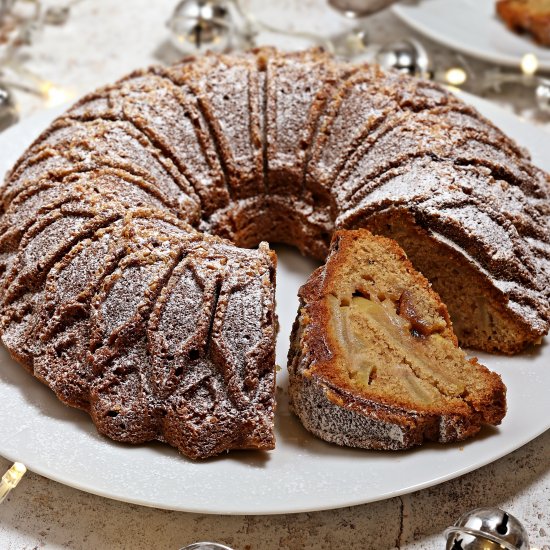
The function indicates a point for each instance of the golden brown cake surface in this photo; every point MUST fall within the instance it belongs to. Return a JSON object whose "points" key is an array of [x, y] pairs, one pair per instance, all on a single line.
{"points": [[374, 362]]}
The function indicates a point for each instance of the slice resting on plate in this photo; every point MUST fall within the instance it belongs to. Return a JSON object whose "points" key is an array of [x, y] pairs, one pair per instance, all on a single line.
{"points": [[374, 362]]}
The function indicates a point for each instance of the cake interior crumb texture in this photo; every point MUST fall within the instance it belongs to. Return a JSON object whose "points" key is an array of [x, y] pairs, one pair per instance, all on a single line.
{"points": [[374, 361]]}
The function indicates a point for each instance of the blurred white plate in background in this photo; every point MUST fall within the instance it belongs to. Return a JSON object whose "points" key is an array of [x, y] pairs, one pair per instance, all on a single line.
{"points": [[471, 27]]}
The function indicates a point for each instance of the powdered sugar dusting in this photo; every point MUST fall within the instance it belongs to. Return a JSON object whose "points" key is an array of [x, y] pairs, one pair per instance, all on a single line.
{"points": [[180, 324]]}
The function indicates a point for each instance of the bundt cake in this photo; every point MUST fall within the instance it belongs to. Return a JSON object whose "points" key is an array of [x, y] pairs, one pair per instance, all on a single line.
{"points": [[126, 286], [374, 362]]}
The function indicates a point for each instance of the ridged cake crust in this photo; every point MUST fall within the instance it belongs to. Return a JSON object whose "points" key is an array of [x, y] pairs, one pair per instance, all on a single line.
{"points": [[374, 362], [250, 147], [158, 331]]}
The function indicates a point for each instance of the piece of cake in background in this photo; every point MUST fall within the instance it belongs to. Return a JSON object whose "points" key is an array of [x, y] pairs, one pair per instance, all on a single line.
{"points": [[374, 362], [531, 16]]}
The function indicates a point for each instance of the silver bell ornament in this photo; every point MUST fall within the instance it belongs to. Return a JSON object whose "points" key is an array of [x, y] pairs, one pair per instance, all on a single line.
{"points": [[542, 95], [406, 56], [198, 26], [487, 529], [360, 8], [206, 546], [8, 111]]}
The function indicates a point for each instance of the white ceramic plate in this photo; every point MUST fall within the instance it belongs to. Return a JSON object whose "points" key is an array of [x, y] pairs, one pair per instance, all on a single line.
{"points": [[303, 473], [471, 27]]}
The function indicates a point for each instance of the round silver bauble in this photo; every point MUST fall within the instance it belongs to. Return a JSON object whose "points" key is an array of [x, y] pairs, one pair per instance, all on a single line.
{"points": [[198, 26], [406, 56], [206, 546], [359, 8], [487, 529], [8, 111], [542, 95]]}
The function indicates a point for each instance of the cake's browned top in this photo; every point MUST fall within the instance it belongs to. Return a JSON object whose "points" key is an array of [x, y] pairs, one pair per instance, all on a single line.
{"points": [[249, 147]]}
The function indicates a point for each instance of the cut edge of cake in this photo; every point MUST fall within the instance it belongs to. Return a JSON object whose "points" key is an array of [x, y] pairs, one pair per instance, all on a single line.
{"points": [[368, 392]]}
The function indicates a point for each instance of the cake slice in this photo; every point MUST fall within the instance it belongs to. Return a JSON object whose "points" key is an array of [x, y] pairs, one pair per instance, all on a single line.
{"points": [[532, 16], [374, 362]]}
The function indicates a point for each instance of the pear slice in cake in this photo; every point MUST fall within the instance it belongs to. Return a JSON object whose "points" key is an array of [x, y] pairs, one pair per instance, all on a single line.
{"points": [[374, 362]]}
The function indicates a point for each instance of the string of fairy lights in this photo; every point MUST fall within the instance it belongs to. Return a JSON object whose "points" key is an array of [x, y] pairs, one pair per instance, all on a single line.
{"points": [[196, 26], [21, 21]]}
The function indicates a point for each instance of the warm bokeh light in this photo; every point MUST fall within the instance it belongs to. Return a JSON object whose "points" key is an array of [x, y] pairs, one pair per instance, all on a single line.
{"points": [[456, 76], [529, 64], [55, 95], [11, 478]]}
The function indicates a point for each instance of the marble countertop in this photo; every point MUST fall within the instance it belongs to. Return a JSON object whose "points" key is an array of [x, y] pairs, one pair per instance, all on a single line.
{"points": [[101, 41]]}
